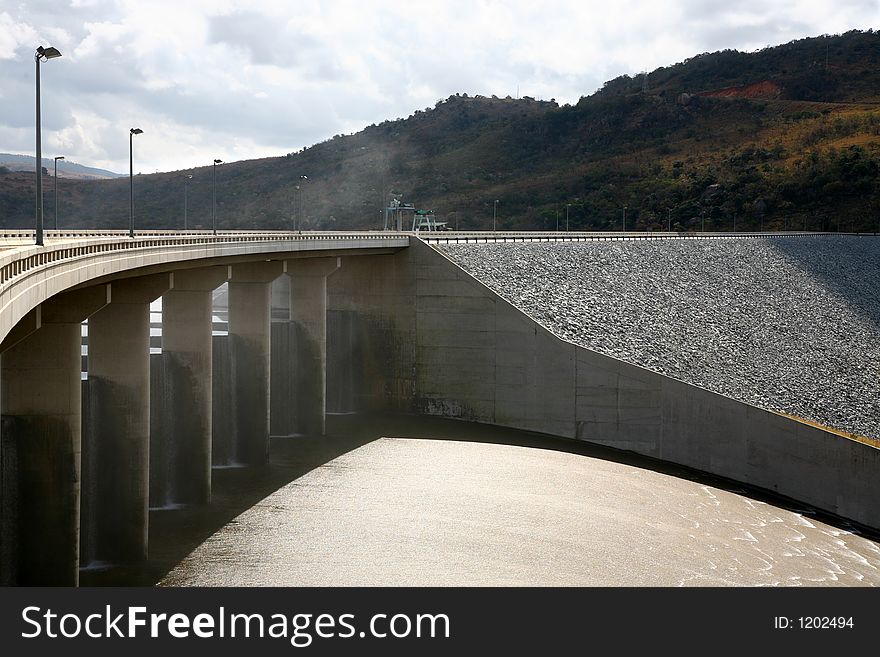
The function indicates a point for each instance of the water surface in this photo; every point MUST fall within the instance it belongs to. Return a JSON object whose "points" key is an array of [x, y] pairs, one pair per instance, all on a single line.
{"points": [[414, 511]]}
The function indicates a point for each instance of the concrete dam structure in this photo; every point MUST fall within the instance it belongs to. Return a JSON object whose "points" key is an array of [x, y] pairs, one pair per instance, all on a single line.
{"points": [[377, 322]]}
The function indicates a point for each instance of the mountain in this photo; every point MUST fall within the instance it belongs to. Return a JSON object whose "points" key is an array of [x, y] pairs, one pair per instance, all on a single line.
{"points": [[785, 137], [66, 169]]}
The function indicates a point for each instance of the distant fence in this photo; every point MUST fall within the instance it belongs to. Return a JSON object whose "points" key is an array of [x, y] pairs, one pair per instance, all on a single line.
{"points": [[477, 237]]}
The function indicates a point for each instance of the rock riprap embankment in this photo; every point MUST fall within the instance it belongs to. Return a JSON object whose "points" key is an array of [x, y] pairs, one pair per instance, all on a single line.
{"points": [[789, 324]]}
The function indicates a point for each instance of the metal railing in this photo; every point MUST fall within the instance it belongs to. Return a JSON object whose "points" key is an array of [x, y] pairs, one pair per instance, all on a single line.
{"points": [[17, 260], [477, 237]]}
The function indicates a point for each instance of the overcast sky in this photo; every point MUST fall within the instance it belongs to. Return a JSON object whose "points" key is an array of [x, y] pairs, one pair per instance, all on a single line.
{"points": [[242, 79]]}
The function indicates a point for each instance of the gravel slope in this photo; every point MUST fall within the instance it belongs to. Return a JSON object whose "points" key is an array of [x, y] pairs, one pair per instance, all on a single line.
{"points": [[791, 324]]}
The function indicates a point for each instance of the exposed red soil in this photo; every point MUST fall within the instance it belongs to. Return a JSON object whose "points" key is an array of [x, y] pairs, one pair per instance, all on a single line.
{"points": [[763, 89]]}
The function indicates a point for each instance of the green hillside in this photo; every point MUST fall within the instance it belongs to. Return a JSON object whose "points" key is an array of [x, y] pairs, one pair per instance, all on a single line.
{"points": [[786, 137]]}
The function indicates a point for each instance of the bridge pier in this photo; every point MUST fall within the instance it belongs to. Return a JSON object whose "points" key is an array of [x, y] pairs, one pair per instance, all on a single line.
{"points": [[41, 442], [183, 452], [249, 345], [308, 316], [117, 445]]}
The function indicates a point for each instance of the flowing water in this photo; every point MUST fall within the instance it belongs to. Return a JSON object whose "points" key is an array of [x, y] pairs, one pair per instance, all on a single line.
{"points": [[425, 502]]}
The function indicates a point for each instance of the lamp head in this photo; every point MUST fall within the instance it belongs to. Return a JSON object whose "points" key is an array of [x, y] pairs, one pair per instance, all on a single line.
{"points": [[47, 53], [136, 131], [218, 161], [59, 157]]}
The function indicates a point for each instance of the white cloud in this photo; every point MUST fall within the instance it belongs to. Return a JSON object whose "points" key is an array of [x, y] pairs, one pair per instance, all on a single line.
{"points": [[13, 35], [234, 79]]}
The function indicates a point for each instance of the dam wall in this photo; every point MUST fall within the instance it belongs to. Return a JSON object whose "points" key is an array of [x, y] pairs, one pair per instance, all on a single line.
{"points": [[429, 338]]}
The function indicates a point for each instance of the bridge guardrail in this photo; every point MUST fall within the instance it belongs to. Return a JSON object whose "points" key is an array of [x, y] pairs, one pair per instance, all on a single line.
{"points": [[21, 259], [477, 236]]}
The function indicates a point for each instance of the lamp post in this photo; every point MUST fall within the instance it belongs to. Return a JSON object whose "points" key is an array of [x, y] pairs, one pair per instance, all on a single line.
{"points": [[131, 133], [624, 218], [301, 203], [186, 178], [214, 196], [41, 54], [567, 208], [669, 220], [57, 157], [494, 214]]}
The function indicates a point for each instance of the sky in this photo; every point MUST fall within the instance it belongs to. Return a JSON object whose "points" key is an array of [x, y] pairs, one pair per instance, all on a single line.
{"points": [[237, 79]]}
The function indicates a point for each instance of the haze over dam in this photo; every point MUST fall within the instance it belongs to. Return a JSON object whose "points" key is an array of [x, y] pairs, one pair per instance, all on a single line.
{"points": [[791, 325]]}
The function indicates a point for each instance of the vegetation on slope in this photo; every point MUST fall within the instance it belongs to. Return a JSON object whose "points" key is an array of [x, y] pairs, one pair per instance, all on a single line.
{"points": [[786, 137]]}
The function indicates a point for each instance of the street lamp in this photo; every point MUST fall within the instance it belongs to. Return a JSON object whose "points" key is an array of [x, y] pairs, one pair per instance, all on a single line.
{"points": [[214, 196], [448, 214], [494, 214], [57, 157], [624, 218], [186, 178], [567, 207], [301, 202], [42, 54], [131, 133]]}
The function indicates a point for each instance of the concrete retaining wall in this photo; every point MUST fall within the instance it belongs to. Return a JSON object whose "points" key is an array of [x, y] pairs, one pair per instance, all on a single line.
{"points": [[435, 340], [376, 295]]}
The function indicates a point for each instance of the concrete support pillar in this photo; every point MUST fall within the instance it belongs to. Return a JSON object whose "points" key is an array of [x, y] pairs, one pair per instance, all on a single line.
{"points": [[249, 344], [223, 449], [281, 299], [308, 315], [41, 443], [184, 452], [119, 421]]}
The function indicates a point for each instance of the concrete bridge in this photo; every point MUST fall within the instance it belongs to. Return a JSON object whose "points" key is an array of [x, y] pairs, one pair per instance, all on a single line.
{"points": [[409, 331]]}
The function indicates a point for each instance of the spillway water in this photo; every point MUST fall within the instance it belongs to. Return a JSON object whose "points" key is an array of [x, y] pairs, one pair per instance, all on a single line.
{"points": [[407, 506]]}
